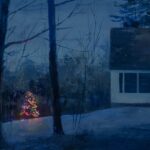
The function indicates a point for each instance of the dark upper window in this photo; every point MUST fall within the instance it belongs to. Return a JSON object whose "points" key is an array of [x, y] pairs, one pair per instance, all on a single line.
{"points": [[144, 82], [130, 82]]}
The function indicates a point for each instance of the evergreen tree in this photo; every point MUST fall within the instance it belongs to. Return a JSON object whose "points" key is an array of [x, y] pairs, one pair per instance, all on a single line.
{"points": [[133, 13], [29, 108]]}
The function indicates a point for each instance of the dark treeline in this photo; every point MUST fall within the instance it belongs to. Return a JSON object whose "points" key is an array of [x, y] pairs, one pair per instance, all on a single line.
{"points": [[71, 78]]}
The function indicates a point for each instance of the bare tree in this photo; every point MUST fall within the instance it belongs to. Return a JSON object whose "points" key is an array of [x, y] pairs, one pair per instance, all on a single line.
{"points": [[52, 54], [4, 5], [57, 125], [89, 44], [4, 14]]}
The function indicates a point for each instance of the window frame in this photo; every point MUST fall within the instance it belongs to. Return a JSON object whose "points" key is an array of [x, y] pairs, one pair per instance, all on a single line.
{"points": [[122, 82]]}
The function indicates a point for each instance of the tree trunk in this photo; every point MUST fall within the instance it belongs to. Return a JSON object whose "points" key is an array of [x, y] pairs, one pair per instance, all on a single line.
{"points": [[57, 125], [4, 5]]}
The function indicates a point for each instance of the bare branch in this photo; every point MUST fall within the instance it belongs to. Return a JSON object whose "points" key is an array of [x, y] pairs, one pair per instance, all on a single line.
{"points": [[25, 40], [62, 46], [30, 54], [69, 15], [23, 51], [63, 28], [64, 2], [45, 30], [12, 53], [32, 37], [98, 35], [11, 31], [21, 8], [25, 44]]}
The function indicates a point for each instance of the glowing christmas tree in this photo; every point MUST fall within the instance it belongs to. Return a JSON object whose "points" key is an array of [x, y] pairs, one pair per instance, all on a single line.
{"points": [[29, 108]]}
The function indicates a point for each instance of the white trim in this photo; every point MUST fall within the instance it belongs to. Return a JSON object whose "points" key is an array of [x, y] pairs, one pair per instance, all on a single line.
{"points": [[130, 71], [117, 97], [137, 81], [123, 82]]}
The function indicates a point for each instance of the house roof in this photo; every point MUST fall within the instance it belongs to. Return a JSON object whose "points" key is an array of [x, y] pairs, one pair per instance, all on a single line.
{"points": [[130, 49]]}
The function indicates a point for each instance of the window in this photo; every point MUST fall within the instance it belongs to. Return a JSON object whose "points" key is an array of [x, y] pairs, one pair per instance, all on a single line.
{"points": [[130, 83], [134, 82], [120, 82], [144, 82]]}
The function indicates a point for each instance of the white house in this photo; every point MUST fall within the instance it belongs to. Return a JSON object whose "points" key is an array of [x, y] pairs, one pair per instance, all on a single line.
{"points": [[130, 66]]}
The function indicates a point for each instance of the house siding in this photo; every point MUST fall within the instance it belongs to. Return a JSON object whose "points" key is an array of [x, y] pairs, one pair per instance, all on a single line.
{"points": [[126, 98]]}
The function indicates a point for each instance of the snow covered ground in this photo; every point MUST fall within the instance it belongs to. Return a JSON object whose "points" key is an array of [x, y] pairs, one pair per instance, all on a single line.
{"points": [[108, 122]]}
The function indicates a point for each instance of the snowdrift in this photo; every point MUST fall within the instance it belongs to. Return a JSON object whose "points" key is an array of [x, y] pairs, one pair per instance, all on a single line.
{"points": [[101, 121]]}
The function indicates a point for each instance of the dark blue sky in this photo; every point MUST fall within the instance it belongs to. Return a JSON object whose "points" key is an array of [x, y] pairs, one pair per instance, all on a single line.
{"points": [[34, 19]]}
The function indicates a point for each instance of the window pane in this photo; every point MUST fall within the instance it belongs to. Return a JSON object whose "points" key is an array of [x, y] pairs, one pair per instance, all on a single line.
{"points": [[144, 82], [120, 82], [130, 82]]}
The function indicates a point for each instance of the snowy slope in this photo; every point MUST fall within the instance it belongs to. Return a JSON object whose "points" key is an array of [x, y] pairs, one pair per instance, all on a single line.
{"points": [[105, 122]]}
